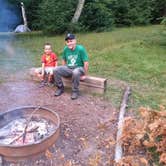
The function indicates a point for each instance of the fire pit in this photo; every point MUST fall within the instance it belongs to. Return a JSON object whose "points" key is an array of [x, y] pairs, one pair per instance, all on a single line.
{"points": [[27, 131]]}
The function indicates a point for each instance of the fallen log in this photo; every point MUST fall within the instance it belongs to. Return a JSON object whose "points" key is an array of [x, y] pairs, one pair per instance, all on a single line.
{"points": [[118, 147], [91, 84]]}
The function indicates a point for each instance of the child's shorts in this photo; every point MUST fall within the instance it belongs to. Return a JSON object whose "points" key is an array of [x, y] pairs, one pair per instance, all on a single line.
{"points": [[48, 70]]}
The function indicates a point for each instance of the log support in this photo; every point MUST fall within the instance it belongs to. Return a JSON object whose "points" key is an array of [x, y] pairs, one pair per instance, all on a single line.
{"points": [[91, 84]]}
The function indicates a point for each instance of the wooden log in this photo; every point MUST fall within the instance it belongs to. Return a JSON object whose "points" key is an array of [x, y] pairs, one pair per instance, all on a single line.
{"points": [[118, 147], [32, 74], [91, 84]]}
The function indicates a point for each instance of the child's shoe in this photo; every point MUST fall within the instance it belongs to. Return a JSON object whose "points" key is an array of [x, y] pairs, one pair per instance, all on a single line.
{"points": [[42, 84], [50, 84]]}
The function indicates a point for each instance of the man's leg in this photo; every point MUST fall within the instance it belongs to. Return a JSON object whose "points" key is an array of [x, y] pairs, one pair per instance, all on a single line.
{"points": [[59, 72], [76, 81]]}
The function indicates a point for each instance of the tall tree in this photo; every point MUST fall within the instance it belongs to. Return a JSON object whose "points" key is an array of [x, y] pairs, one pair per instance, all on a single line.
{"points": [[61, 16], [54, 16], [78, 11], [159, 10], [97, 16], [31, 7]]}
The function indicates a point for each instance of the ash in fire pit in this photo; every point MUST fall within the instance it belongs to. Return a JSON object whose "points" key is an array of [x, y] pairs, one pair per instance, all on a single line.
{"points": [[14, 133], [27, 131]]}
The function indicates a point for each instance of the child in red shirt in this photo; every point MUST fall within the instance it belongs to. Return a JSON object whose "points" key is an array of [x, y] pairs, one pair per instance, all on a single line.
{"points": [[49, 62]]}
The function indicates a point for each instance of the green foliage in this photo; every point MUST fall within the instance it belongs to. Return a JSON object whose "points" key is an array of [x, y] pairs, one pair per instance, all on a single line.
{"points": [[158, 10], [131, 12], [97, 16], [76, 27], [54, 15], [163, 32], [163, 22]]}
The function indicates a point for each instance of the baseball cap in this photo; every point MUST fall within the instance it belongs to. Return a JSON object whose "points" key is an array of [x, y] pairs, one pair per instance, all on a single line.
{"points": [[70, 36]]}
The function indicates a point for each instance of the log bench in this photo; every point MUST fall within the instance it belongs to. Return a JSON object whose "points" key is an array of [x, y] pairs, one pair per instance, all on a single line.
{"points": [[91, 84]]}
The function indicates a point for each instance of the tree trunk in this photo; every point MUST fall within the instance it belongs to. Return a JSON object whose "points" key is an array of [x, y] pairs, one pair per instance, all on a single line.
{"points": [[78, 11], [23, 14]]}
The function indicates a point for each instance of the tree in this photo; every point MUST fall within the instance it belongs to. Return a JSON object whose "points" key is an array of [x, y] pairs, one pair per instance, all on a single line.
{"points": [[97, 16], [31, 7], [54, 16], [158, 10], [131, 12], [78, 11], [93, 15]]}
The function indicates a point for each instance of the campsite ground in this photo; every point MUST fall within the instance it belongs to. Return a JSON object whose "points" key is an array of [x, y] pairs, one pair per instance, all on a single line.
{"points": [[87, 125]]}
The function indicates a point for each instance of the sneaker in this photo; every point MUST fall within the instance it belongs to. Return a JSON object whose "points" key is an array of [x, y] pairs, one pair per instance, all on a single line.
{"points": [[50, 84], [58, 92], [74, 95], [42, 84]]}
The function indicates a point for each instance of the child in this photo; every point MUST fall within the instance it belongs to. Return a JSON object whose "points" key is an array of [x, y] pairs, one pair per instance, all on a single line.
{"points": [[49, 62]]}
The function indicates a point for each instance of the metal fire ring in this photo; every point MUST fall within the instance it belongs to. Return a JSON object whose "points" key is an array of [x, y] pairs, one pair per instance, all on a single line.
{"points": [[21, 152]]}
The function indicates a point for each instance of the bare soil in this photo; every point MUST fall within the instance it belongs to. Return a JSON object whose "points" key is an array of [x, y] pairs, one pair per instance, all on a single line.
{"points": [[88, 125]]}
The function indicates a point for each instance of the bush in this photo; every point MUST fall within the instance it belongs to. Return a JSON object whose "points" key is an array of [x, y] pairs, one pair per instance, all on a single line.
{"points": [[97, 16], [131, 12], [147, 133], [54, 16], [163, 22]]}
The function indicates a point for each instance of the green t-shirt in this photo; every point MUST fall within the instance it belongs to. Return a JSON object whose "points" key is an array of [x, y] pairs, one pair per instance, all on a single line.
{"points": [[76, 57]]}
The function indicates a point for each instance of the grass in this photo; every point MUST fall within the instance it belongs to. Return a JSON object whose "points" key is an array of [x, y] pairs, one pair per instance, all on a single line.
{"points": [[126, 56]]}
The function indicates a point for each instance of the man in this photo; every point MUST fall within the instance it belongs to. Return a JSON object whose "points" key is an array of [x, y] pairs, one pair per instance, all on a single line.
{"points": [[74, 64]]}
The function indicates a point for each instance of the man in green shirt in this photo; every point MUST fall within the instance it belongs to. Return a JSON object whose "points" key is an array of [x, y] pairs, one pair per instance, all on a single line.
{"points": [[74, 64]]}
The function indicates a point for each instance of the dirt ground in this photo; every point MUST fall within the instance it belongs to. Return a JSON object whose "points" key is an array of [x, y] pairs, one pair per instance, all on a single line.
{"points": [[87, 125]]}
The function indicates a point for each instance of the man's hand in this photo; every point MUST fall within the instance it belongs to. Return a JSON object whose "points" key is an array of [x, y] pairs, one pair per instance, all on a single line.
{"points": [[83, 77]]}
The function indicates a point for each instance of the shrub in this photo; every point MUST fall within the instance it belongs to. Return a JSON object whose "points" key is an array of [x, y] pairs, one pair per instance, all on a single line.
{"points": [[97, 16], [148, 133], [163, 22], [54, 16]]}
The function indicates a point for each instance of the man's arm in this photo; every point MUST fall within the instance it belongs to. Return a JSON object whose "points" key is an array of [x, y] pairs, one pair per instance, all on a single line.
{"points": [[63, 62], [86, 66]]}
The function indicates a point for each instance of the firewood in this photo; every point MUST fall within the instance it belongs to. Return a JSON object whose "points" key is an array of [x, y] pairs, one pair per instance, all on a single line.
{"points": [[21, 135], [29, 119]]}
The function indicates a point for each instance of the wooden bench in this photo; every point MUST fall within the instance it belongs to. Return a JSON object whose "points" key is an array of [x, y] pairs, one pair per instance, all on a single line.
{"points": [[91, 84]]}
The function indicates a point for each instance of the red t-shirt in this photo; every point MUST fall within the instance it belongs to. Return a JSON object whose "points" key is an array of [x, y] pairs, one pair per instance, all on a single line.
{"points": [[49, 60]]}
